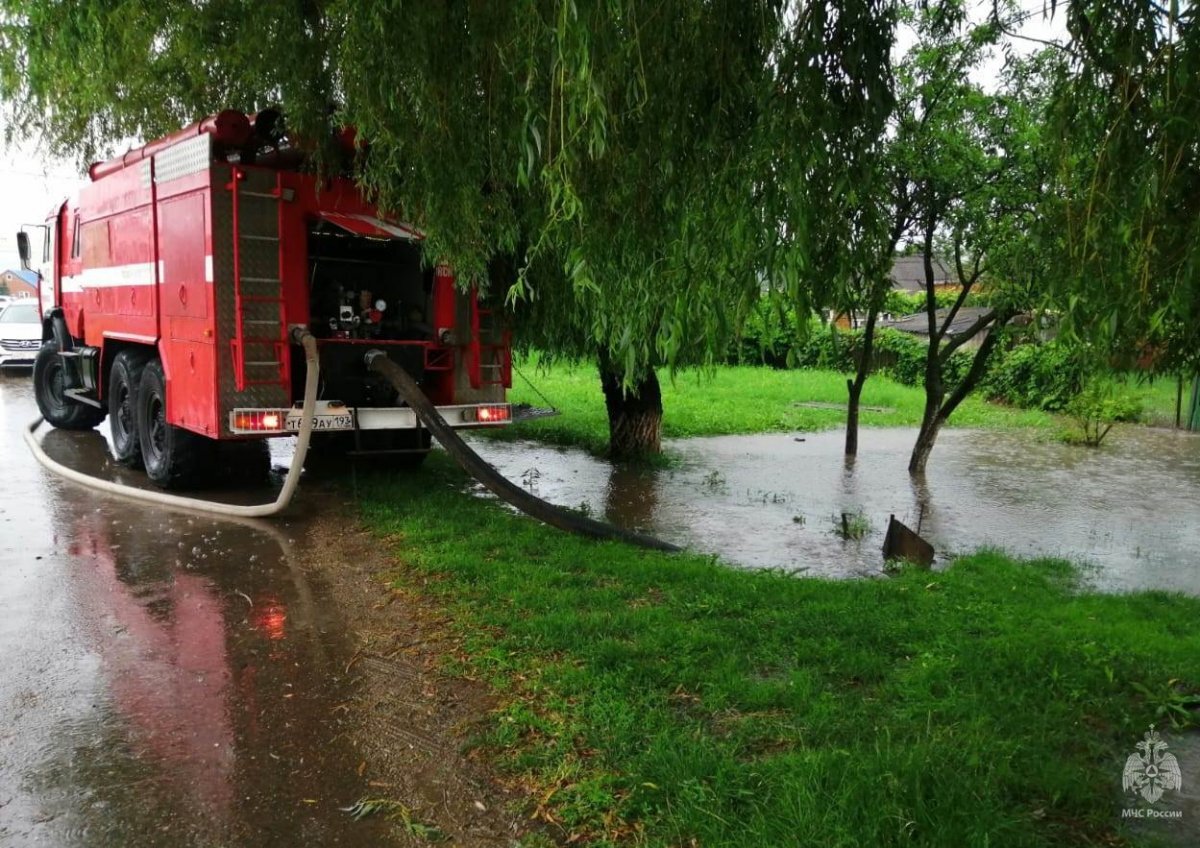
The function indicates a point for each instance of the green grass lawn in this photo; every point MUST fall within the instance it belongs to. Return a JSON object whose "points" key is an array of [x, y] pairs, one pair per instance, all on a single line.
{"points": [[660, 699], [737, 399], [1157, 397]]}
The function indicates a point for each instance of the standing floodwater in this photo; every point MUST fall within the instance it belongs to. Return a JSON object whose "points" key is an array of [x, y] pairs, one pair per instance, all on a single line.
{"points": [[1130, 508]]}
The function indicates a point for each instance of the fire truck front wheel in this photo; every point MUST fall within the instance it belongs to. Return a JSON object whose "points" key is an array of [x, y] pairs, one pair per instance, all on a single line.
{"points": [[173, 457], [123, 385], [49, 386]]}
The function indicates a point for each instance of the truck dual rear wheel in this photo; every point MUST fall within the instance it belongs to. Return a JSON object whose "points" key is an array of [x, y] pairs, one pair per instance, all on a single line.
{"points": [[49, 387], [174, 457], [123, 383]]}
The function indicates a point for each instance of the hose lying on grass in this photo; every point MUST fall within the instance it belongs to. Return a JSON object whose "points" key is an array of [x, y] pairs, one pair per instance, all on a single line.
{"points": [[495, 482]]}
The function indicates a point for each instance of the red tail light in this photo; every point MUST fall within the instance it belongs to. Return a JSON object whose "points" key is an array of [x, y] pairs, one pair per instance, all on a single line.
{"points": [[258, 420], [492, 414]]}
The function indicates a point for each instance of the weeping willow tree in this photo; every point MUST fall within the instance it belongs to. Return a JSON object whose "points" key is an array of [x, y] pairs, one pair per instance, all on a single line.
{"points": [[628, 176], [1126, 216]]}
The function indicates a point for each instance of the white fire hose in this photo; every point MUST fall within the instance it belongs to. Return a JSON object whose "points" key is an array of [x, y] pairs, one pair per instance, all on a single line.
{"points": [[312, 373]]}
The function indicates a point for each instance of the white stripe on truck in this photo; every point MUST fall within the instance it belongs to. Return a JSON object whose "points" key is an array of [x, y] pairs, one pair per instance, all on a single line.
{"points": [[135, 274]]}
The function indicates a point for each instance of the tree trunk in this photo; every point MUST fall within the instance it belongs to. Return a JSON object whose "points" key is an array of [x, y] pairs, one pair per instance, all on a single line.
{"points": [[926, 438], [634, 416], [939, 407], [854, 390], [854, 387]]}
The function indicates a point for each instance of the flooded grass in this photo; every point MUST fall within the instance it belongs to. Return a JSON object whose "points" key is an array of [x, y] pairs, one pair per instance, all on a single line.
{"points": [[738, 399], [669, 698], [1118, 508]]}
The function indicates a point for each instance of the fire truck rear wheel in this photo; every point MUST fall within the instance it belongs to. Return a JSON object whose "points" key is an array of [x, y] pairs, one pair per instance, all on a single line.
{"points": [[173, 457], [49, 387], [123, 385]]}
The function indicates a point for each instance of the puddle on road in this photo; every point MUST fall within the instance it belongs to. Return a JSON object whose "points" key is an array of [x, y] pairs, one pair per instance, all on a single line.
{"points": [[168, 680], [1129, 509]]}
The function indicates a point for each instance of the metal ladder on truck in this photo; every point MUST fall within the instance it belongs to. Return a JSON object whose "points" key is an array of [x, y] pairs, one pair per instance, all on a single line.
{"points": [[261, 355], [490, 363]]}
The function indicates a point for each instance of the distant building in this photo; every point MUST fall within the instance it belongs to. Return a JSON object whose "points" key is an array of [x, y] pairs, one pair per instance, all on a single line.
{"points": [[19, 283], [908, 274], [918, 324]]}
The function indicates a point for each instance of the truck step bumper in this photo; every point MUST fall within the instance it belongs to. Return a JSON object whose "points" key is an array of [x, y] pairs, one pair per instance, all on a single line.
{"points": [[332, 416]]}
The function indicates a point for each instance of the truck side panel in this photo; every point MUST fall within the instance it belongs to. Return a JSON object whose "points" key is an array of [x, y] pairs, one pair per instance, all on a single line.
{"points": [[190, 369], [110, 270], [188, 346], [185, 291]]}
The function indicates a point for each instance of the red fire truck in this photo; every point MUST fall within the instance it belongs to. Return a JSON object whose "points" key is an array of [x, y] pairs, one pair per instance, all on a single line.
{"points": [[171, 285]]}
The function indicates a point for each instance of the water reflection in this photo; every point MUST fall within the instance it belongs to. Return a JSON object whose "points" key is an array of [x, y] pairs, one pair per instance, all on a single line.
{"points": [[169, 679], [775, 500], [163, 654], [214, 694], [631, 497]]}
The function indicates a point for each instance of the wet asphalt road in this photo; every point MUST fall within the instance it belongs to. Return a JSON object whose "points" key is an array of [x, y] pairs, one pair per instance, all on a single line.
{"points": [[165, 679]]}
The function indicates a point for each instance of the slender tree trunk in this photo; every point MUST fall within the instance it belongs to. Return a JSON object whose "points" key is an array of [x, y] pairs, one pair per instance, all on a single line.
{"points": [[935, 390], [932, 418], [878, 283], [939, 407], [634, 416], [854, 387], [854, 390], [926, 438]]}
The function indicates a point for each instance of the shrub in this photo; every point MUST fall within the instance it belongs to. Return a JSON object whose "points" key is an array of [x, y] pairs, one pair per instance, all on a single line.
{"points": [[767, 336], [1097, 408], [901, 303], [1119, 405], [771, 340], [1046, 376], [775, 338], [1040, 376], [827, 347], [901, 356]]}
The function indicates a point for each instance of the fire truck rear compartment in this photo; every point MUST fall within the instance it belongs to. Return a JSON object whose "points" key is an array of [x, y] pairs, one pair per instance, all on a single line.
{"points": [[350, 277]]}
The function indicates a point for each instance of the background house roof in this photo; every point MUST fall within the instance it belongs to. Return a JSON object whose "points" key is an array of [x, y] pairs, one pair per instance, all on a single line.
{"points": [[29, 277], [908, 273], [918, 324], [20, 283]]}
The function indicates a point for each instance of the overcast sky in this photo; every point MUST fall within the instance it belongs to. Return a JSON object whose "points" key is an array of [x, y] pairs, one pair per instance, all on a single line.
{"points": [[32, 183]]}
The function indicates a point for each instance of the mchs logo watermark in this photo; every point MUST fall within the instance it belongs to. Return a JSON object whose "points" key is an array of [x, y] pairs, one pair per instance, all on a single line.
{"points": [[1150, 772]]}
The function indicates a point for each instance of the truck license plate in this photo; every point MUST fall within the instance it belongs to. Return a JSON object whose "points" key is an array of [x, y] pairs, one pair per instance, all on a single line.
{"points": [[323, 422]]}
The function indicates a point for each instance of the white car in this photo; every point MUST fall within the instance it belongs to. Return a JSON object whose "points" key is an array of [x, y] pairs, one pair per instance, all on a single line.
{"points": [[20, 332]]}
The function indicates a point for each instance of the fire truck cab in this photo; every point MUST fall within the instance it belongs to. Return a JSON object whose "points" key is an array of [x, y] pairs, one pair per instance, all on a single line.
{"points": [[171, 283]]}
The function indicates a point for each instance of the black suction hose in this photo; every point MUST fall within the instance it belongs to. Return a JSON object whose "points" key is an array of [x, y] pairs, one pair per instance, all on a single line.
{"points": [[499, 485]]}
